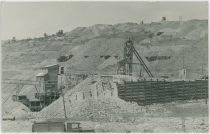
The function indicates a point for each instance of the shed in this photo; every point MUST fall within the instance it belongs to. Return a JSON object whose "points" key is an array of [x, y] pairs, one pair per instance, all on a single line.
{"points": [[28, 91]]}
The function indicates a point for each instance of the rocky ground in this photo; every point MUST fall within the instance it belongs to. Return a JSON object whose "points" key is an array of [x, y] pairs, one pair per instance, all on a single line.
{"points": [[109, 114], [140, 124], [22, 59]]}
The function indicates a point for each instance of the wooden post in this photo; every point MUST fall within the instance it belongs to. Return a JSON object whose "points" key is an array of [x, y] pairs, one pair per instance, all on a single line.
{"points": [[64, 107], [207, 93], [183, 124]]}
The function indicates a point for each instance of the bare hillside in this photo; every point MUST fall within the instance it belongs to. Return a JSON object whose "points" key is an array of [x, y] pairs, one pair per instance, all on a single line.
{"points": [[90, 44]]}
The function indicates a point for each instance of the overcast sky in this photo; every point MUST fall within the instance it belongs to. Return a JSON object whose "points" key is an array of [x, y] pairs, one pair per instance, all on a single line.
{"points": [[24, 20]]}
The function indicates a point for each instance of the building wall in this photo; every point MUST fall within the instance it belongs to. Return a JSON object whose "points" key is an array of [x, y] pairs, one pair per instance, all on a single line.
{"points": [[41, 87], [96, 91], [149, 92], [48, 82], [62, 64], [52, 78], [53, 73]]}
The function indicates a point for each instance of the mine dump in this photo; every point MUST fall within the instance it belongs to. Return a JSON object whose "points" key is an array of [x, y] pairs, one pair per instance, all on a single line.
{"points": [[126, 77]]}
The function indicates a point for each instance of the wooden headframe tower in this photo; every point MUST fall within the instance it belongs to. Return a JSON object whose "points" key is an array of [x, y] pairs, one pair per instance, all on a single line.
{"points": [[125, 66]]}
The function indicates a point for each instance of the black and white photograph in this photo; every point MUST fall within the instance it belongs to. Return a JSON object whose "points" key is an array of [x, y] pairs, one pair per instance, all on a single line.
{"points": [[104, 67]]}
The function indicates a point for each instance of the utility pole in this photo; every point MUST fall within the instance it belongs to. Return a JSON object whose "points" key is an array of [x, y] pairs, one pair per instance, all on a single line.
{"points": [[64, 107], [183, 124], [202, 69], [183, 58]]}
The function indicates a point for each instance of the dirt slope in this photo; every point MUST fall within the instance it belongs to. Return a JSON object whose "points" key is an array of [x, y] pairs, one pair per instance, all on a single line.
{"points": [[22, 59]]}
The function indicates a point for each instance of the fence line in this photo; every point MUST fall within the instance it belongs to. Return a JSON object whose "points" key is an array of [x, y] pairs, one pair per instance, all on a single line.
{"points": [[149, 92]]}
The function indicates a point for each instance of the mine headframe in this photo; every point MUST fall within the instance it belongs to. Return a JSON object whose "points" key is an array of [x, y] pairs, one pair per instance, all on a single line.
{"points": [[125, 66]]}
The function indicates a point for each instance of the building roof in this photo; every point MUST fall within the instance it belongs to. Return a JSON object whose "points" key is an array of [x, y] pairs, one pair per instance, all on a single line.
{"points": [[29, 91], [50, 66], [41, 74], [33, 99]]}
